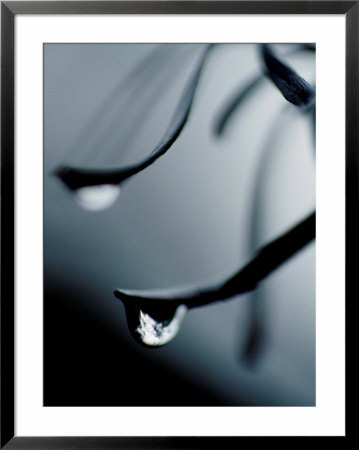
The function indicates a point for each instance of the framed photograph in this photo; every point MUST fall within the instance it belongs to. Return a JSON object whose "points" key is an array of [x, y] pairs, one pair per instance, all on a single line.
{"points": [[179, 191]]}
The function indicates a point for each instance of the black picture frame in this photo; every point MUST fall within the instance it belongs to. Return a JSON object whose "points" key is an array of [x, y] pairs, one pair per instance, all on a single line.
{"points": [[9, 10]]}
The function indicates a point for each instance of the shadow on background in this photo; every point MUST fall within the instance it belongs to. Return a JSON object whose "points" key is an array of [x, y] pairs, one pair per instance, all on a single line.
{"points": [[87, 364]]}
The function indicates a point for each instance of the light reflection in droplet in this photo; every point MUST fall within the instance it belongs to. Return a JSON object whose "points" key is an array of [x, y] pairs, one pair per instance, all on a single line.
{"points": [[97, 198], [155, 333]]}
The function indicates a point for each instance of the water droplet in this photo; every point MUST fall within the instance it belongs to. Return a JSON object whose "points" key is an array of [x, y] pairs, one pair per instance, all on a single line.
{"points": [[154, 327], [96, 198]]}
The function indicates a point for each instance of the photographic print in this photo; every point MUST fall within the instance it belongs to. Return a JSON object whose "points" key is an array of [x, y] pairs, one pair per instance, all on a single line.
{"points": [[179, 224]]}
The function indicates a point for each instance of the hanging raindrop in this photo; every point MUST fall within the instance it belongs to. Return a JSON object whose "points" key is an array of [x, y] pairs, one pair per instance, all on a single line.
{"points": [[154, 326], [97, 198]]}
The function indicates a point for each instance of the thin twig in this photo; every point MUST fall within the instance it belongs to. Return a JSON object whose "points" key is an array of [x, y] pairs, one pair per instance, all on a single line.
{"points": [[268, 258]]}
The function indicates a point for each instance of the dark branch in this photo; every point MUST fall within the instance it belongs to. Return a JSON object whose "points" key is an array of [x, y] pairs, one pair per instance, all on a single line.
{"points": [[268, 258], [293, 88]]}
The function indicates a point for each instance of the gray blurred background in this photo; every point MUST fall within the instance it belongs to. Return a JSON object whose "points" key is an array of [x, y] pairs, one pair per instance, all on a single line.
{"points": [[195, 216]]}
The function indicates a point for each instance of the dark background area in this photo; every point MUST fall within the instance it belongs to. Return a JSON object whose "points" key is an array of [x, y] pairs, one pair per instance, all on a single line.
{"points": [[91, 366]]}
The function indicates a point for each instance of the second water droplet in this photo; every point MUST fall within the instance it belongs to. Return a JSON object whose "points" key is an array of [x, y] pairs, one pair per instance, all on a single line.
{"points": [[97, 198]]}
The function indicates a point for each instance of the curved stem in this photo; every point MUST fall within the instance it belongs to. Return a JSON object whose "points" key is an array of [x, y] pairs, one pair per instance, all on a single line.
{"points": [[77, 178], [267, 259]]}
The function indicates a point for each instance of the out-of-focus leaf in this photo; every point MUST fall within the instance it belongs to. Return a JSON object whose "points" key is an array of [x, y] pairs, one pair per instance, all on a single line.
{"points": [[235, 103], [293, 87], [254, 342]]}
